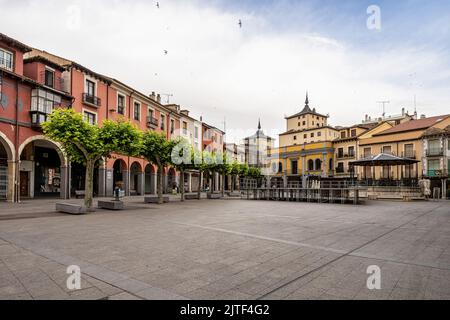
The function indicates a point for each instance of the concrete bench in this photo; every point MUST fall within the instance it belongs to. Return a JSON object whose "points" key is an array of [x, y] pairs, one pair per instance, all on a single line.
{"points": [[154, 199], [214, 196], [110, 205], [79, 194], [191, 196], [70, 208]]}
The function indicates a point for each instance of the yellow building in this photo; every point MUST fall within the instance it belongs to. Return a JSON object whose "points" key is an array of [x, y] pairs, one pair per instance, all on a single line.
{"points": [[306, 148]]}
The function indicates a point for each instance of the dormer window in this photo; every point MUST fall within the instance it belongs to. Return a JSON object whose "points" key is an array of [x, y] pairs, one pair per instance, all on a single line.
{"points": [[6, 60]]}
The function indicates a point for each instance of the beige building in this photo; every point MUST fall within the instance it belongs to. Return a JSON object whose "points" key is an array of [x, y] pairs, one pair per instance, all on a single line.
{"points": [[258, 148]]}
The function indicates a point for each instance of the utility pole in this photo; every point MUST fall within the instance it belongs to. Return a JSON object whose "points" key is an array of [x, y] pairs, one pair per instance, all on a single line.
{"points": [[384, 102]]}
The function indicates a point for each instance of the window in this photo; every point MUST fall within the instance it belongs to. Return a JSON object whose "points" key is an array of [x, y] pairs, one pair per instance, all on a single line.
{"points": [[304, 136], [313, 123], [294, 166], [304, 122], [340, 167], [318, 164], [172, 126], [120, 104], [353, 133], [340, 153], [150, 113], [299, 124], [310, 164], [137, 111], [280, 167], [367, 152], [90, 88], [196, 132], [409, 150], [312, 134], [295, 137], [184, 127], [90, 117], [163, 121], [386, 149], [49, 78], [319, 133], [6, 60], [351, 151], [44, 101], [342, 134], [434, 147]]}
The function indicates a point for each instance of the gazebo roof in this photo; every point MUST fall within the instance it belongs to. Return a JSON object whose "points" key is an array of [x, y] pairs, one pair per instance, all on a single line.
{"points": [[382, 159]]}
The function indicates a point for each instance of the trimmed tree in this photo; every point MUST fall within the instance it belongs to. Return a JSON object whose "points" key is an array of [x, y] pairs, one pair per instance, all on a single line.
{"points": [[181, 159], [86, 144], [223, 167], [157, 149]]}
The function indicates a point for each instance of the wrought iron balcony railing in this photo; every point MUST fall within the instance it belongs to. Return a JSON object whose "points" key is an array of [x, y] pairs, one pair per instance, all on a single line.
{"points": [[409, 154], [152, 122], [91, 99], [434, 152]]}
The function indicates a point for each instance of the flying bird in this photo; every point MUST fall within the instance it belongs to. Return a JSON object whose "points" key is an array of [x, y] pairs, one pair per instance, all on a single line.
{"points": [[240, 23], [166, 52], [157, 5]]}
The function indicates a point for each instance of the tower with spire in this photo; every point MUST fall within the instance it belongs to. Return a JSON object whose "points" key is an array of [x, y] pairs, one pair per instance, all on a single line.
{"points": [[257, 147]]}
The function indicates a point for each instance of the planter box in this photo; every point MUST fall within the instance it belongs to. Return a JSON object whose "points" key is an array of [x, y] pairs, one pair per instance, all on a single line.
{"points": [[190, 196], [110, 205], [70, 208], [154, 199], [214, 196]]}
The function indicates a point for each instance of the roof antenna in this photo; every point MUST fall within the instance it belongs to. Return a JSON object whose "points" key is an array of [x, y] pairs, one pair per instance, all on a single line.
{"points": [[384, 103]]}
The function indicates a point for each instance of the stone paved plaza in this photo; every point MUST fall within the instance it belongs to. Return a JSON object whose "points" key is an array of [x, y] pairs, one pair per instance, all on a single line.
{"points": [[227, 249]]}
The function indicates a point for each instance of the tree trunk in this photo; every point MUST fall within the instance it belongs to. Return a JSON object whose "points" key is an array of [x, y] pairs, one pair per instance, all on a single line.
{"points": [[89, 185], [182, 184], [210, 182], [160, 184], [199, 191], [232, 182]]}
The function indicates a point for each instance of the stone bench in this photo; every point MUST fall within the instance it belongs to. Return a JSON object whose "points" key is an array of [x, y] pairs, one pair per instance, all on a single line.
{"points": [[191, 196], [79, 193], [235, 194], [154, 199], [70, 208], [214, 196], [110, 205]]}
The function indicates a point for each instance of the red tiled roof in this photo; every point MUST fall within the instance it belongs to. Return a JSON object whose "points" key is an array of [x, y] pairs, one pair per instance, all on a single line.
{"points": [[414, 125]]}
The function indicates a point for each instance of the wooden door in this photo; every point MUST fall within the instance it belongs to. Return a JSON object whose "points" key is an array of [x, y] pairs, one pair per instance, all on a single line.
{"points": [[24, 184]]}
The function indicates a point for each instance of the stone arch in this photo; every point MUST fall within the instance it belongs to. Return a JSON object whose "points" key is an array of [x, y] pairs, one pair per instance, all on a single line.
{"points": [[43, 168], [120, 173], [171, 179], [311, 164], [57, 145], [136, 179], [8, 146]]}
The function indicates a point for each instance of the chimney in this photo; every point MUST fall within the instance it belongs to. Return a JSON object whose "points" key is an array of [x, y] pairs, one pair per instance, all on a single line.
{"points": [[153, 96], [403, 111], [201, 119], [422, 116], [158, 98], [366, 117]]}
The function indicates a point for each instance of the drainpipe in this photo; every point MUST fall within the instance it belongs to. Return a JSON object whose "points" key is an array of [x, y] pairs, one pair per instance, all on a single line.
{"points": [[17, 178]]}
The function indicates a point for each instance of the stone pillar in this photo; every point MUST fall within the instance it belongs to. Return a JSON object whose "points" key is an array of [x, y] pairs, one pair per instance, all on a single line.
{"points": [[101, 182], [153, 185], [64, 183], [216, 182], [141, 183], [324, 165], [11, 180], [109, 182], [444, 188], [189, 182], [126, 181]]}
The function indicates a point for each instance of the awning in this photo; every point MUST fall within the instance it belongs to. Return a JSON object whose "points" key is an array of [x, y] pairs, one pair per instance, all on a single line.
{"points": [[382, 159]]}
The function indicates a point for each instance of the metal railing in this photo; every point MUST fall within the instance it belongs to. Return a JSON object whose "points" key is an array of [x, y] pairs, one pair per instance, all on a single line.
{"points": [[345, 155], [151, 121], [409, 154], [91, 99], [434, 152]]}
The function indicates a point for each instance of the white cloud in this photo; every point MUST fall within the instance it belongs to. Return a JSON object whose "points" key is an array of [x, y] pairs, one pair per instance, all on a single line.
{"points": [[219, 70]]}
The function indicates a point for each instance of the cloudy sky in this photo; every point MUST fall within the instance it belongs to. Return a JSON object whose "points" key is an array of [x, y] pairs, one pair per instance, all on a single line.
{"points": [[221, 71]]}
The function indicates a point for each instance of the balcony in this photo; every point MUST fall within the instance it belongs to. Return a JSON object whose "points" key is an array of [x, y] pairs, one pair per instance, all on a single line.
{"points": [[152, 122], [345, 155], [91, 100], [411, 154], [438, 173], [433, 152]]}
